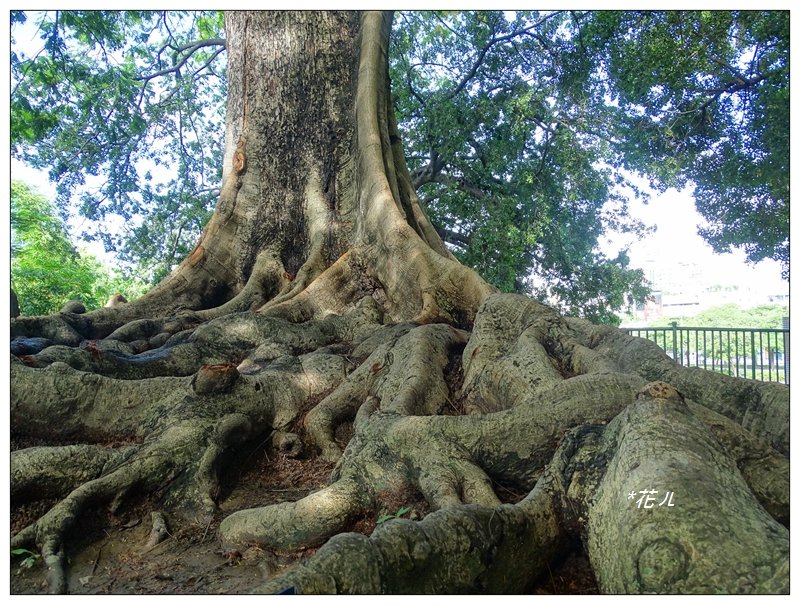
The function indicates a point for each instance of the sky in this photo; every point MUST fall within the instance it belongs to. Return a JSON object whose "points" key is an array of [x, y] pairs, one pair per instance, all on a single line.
{"points": [[676, 241]]}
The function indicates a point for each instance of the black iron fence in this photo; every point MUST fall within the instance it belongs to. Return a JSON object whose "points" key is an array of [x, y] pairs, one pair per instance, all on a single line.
{"points": [[760, 354]]}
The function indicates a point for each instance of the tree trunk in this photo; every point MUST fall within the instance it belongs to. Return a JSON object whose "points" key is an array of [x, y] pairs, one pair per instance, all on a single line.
{"points": [[320, 296]]}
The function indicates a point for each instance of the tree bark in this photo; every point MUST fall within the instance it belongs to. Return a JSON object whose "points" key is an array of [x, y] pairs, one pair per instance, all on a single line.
{"points": [[320, 296]]}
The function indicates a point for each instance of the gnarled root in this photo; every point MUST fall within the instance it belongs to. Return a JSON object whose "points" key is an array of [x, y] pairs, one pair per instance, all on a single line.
{"points": [[290, 525], [672, 514], [454, 461], [444, 458], [760, 407], [470, 549], [649, 516], [547, 377], [47, 472], [231, 338], [403, 376]]}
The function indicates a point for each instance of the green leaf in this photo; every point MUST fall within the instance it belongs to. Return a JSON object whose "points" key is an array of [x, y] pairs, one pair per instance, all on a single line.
{"points": [[47, 270], [83, 106], [30, 557], [23, 551]]}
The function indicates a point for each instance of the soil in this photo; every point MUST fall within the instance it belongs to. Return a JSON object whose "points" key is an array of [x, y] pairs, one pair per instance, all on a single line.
{"points": [[108, 555]]}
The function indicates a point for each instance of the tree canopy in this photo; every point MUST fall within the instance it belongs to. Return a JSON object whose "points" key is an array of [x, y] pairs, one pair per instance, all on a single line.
{"points": [[707, 98], [521, 128], [124, 110]]}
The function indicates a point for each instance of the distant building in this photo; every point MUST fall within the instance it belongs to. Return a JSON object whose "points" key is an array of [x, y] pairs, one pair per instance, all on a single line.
{"points": [[682, 305], [651, 310], [685, 290]]}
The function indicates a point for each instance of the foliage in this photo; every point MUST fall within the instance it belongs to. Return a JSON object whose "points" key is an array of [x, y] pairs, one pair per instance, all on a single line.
{"points": [[522, 129], [703, 97], [500, 140], [733, 316], [46, 269], [400, 512], [30, 557], [734, 352], [129, 96]]}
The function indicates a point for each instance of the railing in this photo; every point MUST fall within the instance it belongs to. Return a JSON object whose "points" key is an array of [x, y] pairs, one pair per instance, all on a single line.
{"points": [[760, 354]]}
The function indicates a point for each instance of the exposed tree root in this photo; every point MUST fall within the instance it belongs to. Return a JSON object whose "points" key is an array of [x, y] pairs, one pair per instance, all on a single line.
{"points": [[228, 339], [268, 278], [451, 460], [760, 407], [506, 360], [191, 427], [62, 402], [46, 472], [402, 377], [587, 490], [166, 461], [331, 292], [544, 375], [713, 528], [453, 465], [290, 525], [469, 549]]}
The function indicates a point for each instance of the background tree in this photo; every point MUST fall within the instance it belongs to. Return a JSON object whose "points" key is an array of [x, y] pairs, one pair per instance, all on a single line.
{"points": [[523, 129], [704, 97], [734, 349], [731, 315], [321, 316], [506, 151], [46, 269]]}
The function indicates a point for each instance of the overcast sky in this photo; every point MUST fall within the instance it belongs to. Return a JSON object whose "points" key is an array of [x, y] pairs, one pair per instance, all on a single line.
{"points": [[676, 241]]}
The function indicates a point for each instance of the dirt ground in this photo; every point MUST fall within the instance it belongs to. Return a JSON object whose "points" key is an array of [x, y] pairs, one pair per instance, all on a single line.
{"points": [[108, 555]]}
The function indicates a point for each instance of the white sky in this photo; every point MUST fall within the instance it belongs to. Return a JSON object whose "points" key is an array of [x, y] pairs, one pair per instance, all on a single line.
{"points": [[676, 241]]}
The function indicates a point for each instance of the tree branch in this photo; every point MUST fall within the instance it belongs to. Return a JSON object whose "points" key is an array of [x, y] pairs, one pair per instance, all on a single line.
{"points": [[427, 174], [191, 48], [458, 183], [492, 42], [462, 240], [730, 88]]}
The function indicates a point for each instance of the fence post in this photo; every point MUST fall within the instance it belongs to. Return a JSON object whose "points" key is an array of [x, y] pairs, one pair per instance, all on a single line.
{"points": [[674, 325], [786, 350]]}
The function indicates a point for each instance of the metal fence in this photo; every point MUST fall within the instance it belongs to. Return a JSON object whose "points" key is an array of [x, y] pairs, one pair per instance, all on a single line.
{"points": [[760, 354]]}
